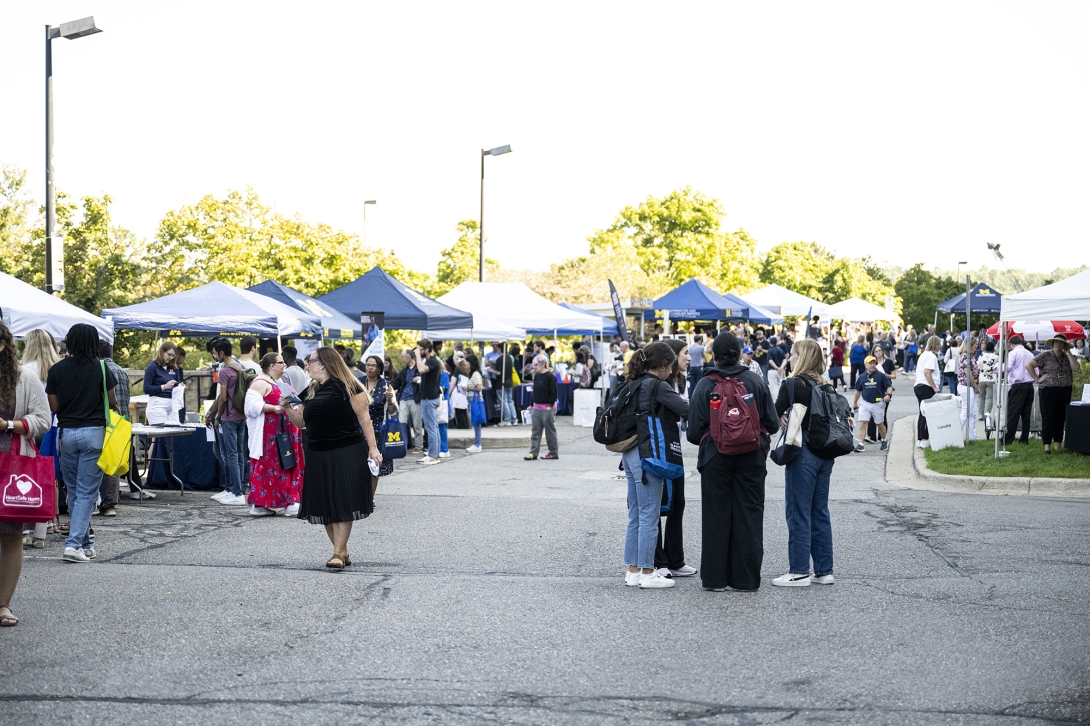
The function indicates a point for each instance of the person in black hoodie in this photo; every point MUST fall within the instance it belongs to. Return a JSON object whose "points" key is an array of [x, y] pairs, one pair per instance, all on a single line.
{"points": [[732, 486]]}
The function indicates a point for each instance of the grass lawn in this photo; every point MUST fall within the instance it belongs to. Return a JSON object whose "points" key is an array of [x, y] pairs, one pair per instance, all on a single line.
{"points": [[978, 459]]}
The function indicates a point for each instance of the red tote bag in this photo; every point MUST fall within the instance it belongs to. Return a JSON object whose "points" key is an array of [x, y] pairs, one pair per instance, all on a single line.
{"points": [[28, 491]]}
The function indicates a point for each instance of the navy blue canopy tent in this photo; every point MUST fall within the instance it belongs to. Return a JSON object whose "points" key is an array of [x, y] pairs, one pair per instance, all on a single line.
{"points": [[982, 299], [216, 309], [693, 300], [609, 325], [404, 308], [334, 324]]}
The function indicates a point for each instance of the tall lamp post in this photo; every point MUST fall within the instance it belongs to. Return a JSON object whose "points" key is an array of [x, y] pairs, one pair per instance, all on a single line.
{"points": [[487, 152], [71, 31], [369, 201]]}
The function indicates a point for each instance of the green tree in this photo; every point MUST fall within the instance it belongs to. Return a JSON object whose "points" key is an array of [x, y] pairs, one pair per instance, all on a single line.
{"points": [[678, 237], [22, 253], [920, 291], [849, 278], [461, 262], [240, 241], [102, 264], [799, 266]]}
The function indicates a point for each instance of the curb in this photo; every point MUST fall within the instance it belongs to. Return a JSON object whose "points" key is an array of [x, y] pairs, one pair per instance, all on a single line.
{"points": [[923, 478]]}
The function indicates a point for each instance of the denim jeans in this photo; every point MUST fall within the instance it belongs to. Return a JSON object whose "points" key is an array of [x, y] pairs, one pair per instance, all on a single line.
{"points": [[809, 528], [233, 448], [409, 413], [443, 447], [430, 409], [507, 399], [644, 501], [80, 449], [476, 434]]}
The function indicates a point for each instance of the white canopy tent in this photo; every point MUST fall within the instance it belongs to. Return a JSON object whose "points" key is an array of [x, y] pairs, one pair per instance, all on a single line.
{"points": [[782, 301], [854, 310], [484, 328], [25, 308], [1064, 300], [512, 303]]}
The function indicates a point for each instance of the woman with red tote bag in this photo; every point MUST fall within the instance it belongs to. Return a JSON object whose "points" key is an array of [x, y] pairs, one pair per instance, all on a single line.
{"points": [[24, 414]]}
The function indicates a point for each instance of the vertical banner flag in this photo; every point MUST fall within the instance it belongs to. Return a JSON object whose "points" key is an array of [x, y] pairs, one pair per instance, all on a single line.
{"points": [[618, 312], [374, 326]]}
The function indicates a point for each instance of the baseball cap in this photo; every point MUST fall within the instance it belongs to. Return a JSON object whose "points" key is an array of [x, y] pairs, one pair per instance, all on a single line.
{"points": [[869, 359], [747, 350]]}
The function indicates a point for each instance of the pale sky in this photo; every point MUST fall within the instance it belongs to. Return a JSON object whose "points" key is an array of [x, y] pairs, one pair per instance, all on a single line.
{"points": [[909, 132]]}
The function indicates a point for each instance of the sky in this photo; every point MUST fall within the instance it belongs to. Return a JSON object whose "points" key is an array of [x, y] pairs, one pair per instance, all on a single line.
{"points": [[909, 132]]}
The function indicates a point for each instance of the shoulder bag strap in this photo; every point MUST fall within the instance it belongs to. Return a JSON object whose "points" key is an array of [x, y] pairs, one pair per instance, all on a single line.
{"points": [[105, 396]]}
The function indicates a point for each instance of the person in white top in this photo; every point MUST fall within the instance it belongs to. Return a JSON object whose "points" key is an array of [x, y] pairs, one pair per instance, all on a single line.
{"points": [[247, 352], [928, 377]]}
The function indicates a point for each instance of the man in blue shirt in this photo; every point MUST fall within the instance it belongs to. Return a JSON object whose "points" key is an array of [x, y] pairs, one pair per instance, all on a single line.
{"points": [[876, 390]]}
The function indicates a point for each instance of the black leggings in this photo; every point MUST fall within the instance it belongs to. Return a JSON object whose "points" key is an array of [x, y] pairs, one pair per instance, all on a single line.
{"points": [[857, 368], [923, 392]]}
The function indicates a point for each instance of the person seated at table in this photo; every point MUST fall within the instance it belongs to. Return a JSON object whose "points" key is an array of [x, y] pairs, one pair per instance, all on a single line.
{"points": [[273, 489], [160, 378]]}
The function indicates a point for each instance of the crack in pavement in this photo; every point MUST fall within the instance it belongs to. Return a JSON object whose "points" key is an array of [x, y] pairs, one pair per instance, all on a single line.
{"points": [[625, 708]]}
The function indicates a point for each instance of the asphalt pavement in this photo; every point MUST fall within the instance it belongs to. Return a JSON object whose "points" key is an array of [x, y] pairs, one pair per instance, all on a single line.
{"points": [[490, 589]]}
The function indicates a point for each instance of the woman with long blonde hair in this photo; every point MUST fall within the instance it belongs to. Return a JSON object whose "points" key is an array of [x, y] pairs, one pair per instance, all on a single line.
{"points": [[340, 441], [39, 353], [806, 479]]}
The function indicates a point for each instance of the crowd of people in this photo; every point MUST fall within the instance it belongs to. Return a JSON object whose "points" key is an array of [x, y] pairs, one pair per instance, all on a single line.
{"points": [[292, 435]]}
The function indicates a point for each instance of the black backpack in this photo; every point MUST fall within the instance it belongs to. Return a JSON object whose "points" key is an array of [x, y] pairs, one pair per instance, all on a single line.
{"points": [[615, 423], [830, 434]]}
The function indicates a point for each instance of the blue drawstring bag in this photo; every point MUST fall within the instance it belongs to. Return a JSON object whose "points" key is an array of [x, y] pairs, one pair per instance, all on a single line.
{"points": [[659, 440], [477, 411], [395, 438]]}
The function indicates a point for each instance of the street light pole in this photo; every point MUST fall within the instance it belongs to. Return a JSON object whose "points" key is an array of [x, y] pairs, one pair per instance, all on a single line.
{"points": [[369, 201], [71, 31], [480, 225]]}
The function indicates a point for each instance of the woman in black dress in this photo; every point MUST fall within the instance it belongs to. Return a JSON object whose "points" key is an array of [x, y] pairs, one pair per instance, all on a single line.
{"points": [[340, 440], [382, 397]]}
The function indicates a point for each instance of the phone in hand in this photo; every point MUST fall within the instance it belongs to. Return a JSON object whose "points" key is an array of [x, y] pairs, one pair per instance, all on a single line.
{"points": [[292, 399]]}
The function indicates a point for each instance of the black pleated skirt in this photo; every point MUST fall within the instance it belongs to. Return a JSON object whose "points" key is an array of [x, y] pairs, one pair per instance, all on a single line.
{"points": [[336, 485]]}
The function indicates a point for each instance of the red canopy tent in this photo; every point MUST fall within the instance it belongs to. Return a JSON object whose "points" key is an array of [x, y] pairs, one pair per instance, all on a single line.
{"points": [[1037, 330]]}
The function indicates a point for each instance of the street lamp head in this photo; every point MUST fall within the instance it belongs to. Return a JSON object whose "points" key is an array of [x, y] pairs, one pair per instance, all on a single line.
{"points": [[371, 201], [497, 151], [963, 262], [78, 28]]}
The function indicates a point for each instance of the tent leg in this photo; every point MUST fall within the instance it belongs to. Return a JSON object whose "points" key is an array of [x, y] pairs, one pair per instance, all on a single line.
{"points": [[279, 347]]}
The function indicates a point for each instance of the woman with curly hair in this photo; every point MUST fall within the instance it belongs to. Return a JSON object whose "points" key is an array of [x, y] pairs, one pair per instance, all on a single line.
{"points": [[24, 411]]}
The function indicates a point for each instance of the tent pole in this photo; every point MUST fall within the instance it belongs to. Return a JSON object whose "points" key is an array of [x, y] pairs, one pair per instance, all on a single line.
{"points": [[279, 348]]}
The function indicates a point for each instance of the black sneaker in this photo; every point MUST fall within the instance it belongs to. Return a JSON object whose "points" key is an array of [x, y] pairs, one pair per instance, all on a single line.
{"points": [[885, 445]]}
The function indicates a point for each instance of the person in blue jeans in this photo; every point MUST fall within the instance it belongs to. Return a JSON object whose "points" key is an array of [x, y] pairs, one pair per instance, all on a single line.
{"points": [[429, 369], [75, 390], [648, 368], [232, 427], [806, 479]]}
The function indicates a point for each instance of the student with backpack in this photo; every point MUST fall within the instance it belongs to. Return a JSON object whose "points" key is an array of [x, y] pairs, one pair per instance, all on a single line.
{"points": [[730, 419], [652, 442], [230, 410], [826, 434]]}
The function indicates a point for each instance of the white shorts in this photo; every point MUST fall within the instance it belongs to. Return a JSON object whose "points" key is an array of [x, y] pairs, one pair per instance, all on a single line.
{"points": [[875, 412]]}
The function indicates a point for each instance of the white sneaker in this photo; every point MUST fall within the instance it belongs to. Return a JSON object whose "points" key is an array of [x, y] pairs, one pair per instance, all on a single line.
{"points": [[822, 579], [790, 580], [234, 500], [74, 554], [218, 496], [90, 553], [475, 449], [923, 444], [632, 579], [292, 511], [428, 462], [444, 454], [256, 511], [141, 494], [655, 581], [685, 571], [662, 571]]}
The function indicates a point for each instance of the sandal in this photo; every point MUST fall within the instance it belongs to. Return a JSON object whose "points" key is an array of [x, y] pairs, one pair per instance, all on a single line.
{"points": [[530, 457], [335, 563], [9, 620], [63, 528]]}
